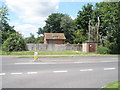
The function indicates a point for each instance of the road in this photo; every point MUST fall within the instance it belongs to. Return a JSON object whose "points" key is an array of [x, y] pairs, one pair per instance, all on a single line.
{"points": [[60, 72]]}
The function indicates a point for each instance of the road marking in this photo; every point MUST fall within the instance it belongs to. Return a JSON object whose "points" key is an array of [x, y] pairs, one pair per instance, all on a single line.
{"points": [[30, 63], [1, 74], [15, 73], [79, 62], [106, 61], [115, 58], [86, 70], [33, 63], [32, 72], [60, 71], [109, 68]]}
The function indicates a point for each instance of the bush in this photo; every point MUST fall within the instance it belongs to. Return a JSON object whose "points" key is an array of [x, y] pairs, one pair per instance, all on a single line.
{"points": [[103, 50], [14, 43]]}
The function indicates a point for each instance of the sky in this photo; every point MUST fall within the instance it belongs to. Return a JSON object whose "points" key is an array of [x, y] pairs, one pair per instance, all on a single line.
{"points": [[28, 15]]}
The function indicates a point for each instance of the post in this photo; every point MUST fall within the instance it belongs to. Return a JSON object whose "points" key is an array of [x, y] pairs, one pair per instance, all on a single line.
{"points": [[98, 28], [89, 31], [35, 56]]}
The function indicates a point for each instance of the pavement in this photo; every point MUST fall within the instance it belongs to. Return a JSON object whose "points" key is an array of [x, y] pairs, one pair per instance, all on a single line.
{"points": [[59, 72]]}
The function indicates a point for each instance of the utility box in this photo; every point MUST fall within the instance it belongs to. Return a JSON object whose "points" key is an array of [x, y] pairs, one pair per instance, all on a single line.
{"points": [[89, 46]]}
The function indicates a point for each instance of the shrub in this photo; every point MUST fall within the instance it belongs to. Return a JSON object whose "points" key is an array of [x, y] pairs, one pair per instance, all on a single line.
{"points": [[103, 50], [14, 43]]}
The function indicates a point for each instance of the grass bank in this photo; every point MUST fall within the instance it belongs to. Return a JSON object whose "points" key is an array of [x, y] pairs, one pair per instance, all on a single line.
{"points": [[113, 86]]}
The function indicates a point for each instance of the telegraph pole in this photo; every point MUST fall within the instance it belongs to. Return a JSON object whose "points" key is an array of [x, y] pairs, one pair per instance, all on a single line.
{"points": [[89, 31], [98, 27]]}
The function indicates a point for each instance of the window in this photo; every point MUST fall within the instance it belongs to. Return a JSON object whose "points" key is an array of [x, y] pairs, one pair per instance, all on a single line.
{"points": [[55, 35]]}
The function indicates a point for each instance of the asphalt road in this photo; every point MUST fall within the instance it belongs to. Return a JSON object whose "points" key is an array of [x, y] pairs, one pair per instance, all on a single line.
{"points": [[60, 72]]}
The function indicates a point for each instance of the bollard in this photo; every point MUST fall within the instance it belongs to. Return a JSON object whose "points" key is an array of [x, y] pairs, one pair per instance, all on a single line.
{"points": [[35, 56]]}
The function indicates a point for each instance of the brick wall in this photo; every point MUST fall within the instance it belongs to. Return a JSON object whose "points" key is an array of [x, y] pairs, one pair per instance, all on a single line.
{"points": [[58, 42], [53, 42]]}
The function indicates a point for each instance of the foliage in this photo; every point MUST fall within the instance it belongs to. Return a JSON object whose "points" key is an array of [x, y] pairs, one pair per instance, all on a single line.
{"points": [[78, 36], [60, 23], [80, 33], [10, 39], [5, 28], [110, 25], [40, 39], [67, 27], [15, 42], [83, 17], [32, 39], [40, 31], [103, 50], [53, 23]]}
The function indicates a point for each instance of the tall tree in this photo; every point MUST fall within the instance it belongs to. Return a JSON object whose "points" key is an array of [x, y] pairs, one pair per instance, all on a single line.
{"points": [[83, 18], [82, 24], [5, 28], [60, 23], [67, 27], [53, 23], [110, 24]]}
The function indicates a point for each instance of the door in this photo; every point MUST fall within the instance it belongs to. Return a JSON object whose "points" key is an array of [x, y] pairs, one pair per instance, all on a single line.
{"points": [[92, 48]]}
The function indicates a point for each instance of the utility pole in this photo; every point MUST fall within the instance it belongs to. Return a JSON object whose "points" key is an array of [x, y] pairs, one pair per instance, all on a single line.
{"points": [[98, 28], [89, 31]]}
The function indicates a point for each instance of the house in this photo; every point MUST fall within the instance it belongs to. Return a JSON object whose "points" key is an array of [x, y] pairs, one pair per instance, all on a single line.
{"points": [[54, 38]]}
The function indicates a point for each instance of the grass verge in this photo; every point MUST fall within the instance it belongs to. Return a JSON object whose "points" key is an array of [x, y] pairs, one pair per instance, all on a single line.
{"points": [[53, 53], [112, 86], [45, 53]]}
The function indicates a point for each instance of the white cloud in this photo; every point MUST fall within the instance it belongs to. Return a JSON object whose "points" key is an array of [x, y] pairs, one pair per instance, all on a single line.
{"points": [[26, 29], [33, 11], [72, 17]]}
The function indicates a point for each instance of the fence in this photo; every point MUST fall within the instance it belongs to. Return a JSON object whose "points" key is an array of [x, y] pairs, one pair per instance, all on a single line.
{"points": [[54, 47]]}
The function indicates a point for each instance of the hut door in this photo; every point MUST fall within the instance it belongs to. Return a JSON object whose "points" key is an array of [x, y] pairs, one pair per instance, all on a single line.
{"points": [[91, 48]]}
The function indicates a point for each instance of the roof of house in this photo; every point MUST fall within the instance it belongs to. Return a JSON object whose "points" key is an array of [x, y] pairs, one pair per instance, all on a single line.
{"points": [[54, 35]]}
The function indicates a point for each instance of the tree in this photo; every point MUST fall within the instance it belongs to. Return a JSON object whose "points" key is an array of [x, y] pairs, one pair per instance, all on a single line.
{"points": [[67, 27], [78, 36], [53, 23], [15, 42], [30, 39], [110, 25], [83, 18], [82, 24], [60, 23], [40, 39], [5, 28], [40, 31]]}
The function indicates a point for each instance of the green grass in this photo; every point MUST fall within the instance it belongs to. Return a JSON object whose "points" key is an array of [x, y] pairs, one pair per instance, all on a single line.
{"points": [[44, 53], [61, 53], [113, 86]]}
